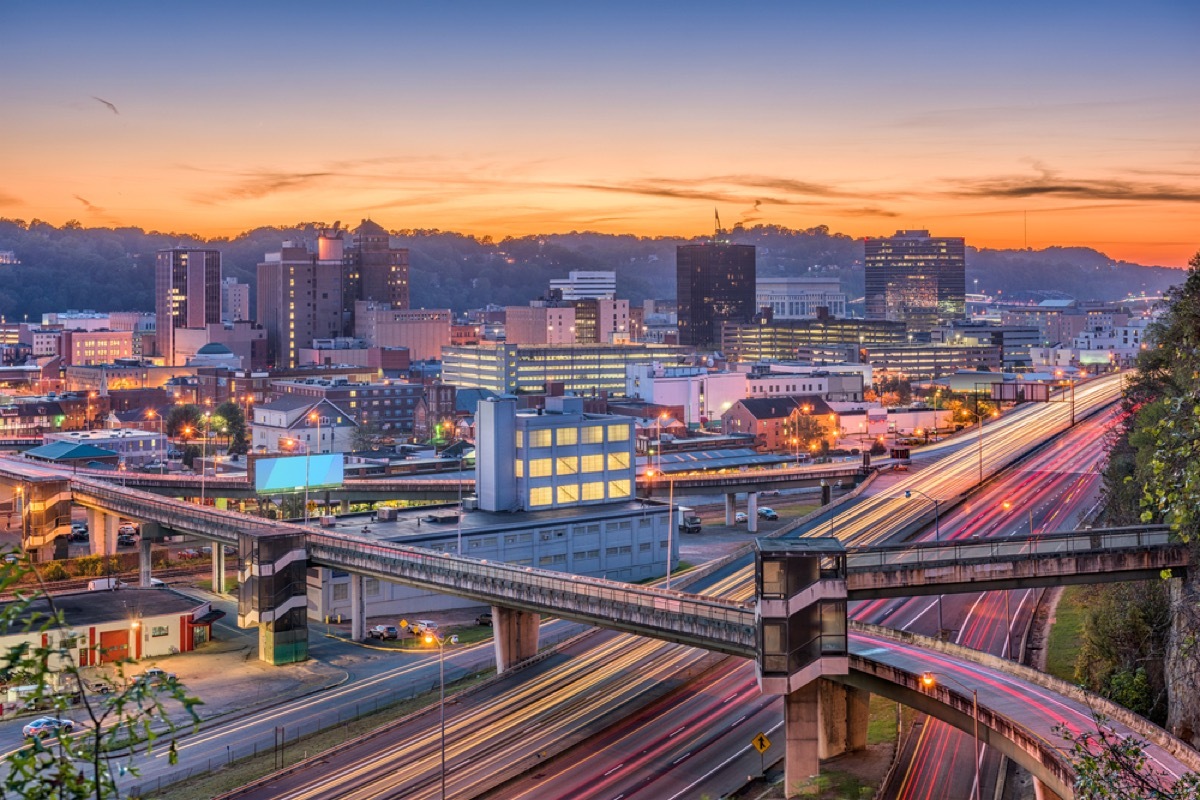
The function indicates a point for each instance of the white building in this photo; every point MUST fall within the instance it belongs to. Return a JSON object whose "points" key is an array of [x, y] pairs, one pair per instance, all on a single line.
{"points": [[703, 394], [799, 298], [298, 424], [135, 447], [585, 284]]}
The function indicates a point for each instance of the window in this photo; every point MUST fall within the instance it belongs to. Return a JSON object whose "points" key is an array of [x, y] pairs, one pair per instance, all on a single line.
{"points": [[520, 439], [539, 468], [644, 547], [618, 489], [593, 463], [567, 466], [539, 438], [519, 468], [593, 434], [594, 491], [341, 591], [567, 436], [618, 461], [568, 493], [540, 496], [618, 433], [371, 586], [518, 538], [584, 555], [160, 630], [555, 558]]}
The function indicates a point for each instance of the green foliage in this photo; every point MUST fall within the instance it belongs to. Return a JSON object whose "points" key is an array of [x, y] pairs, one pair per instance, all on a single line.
{"points": [[1111, 766], [366, 436], [233, 420], [80, 763], [55, 571]]}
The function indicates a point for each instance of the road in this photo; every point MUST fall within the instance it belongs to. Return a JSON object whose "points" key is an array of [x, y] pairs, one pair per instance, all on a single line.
{"points": [[882, 511]]}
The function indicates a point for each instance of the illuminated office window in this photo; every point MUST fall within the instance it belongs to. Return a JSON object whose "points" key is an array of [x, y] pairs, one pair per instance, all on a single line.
{"points": [[567, 466], [593, 434], [618, 461], [540, 496], [539, 468], [618, 433], [593, 491], [568, 493], [618, 489], [539, 438], [593, 463], [519, 468], [567, 436]]}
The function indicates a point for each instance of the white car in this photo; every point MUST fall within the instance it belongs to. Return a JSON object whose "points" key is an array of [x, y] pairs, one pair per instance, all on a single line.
{"points": [[426, 626], [740, 517]]}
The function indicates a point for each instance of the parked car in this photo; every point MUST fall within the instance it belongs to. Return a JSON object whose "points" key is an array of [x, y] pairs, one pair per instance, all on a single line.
{"points": [[426, 626], [769, 493], [47, 726], [484, 619], [154, 675], [126, 540], [767, 513], [384, 632], [740, 517]]}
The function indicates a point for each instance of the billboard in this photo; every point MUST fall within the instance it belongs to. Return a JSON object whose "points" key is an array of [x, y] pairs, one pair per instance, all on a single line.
{"points": [[291, 473]]}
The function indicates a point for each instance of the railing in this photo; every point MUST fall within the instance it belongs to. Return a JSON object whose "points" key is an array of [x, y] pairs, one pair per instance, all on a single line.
{"points": [[864, 559]]}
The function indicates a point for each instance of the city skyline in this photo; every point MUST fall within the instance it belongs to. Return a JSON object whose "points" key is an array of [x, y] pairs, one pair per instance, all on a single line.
{"points": [[1065, 126]]}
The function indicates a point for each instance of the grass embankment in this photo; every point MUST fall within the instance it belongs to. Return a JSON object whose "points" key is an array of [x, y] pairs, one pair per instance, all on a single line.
{"points": [[1062, 643]]}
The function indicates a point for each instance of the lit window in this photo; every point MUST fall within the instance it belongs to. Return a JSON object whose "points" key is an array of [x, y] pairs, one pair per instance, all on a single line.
{"points": [[593, 463], [567, 466], [568, 494], [519, 468], [618, 433], [539, 438], [567, 436], [540, 496], [593, 434], [593, 491], [539, 467], [618, 461], [520, 439], [617, 489]]}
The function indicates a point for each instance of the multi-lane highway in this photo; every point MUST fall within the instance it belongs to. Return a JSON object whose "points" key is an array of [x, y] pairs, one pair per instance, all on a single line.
{"points": [[888, 510]]}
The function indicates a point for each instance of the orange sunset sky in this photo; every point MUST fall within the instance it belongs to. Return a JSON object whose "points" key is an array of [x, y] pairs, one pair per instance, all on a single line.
{"points": [[1012, 125]]}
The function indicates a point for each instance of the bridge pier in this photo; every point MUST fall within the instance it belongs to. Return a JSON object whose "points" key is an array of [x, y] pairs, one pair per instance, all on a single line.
{"points": [[515, 634], [801, 755], [144, 556], [358, 608], [102, 532], [730, 508], [1043, 792], [218, 568], [752, 512], [845, 713]]}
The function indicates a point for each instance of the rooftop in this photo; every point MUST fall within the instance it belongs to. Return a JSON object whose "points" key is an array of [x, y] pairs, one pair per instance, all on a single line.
{"points": [[91, 608]]}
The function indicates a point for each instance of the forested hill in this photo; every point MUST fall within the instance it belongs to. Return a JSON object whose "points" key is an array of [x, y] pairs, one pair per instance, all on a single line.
{"points": [[112, 269]]}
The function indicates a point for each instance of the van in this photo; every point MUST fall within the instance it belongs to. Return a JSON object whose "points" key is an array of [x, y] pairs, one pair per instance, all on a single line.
{"points": [[103, 584]]}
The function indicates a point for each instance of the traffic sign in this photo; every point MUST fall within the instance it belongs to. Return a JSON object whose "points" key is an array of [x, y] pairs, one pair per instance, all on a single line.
{"points": [[761, 743]]}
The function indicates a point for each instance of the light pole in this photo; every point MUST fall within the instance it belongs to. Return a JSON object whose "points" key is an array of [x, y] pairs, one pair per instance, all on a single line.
{"points": [[670, 521], [928, 680], [203, 457], [441, 641], [937, 537], [161, 441]]}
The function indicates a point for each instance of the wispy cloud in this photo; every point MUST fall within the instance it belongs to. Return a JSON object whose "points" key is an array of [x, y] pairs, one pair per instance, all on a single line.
{"points": [[111, 107], [100, 214], [9, 200], [1049, 185]]}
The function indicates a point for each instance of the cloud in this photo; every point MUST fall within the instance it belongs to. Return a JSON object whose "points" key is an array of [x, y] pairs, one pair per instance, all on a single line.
{"points": [[86, 204], [1050, 185], [111, 107], [9, 200]]}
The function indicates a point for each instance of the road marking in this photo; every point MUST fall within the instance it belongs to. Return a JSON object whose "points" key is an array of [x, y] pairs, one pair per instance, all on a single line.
{"points": [[681, 758], [614, 769], [738, 721], [676, 731]]}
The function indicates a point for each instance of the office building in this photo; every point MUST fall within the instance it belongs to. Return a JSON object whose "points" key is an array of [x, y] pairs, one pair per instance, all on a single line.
{"points": [[916, 279], [540, 323], [527, 369], [823, 338], [927, 361], [389, 405], [235, 300], [89, 348], [700, 393], [800, 298], [715, 282], [299, 299], [424, 331], [587, 284], [187, 293], [374, 270]]}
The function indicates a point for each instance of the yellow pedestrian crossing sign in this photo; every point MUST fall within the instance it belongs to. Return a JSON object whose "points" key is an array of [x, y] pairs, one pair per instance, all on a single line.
{"points": [[761, 743]]}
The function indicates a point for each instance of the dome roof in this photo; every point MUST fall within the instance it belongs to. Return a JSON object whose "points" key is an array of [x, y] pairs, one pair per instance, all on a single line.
{"points": [[214, 349]]}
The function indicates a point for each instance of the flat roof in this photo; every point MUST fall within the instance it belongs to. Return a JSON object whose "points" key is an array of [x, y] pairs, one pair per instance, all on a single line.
{"points": [[405, 529], [108, 605]]}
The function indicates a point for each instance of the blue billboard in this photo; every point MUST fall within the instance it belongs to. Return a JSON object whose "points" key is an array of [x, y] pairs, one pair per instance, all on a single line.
{"points": [[292, 473]]}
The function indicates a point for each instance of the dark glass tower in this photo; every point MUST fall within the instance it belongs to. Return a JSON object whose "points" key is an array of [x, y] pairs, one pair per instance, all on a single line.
{"points": [[714, 282], [916, 279], [187, 293]]}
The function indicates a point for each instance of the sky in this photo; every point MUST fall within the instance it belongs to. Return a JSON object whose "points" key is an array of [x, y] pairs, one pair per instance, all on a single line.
{"points": [[1012, 124]]}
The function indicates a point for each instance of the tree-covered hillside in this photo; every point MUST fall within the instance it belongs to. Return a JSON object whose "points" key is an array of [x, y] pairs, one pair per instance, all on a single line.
{"points": [[106, 269]]}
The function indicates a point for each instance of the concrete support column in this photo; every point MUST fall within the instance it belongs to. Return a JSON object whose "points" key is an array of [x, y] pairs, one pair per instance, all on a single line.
{"points": [[800, 722], [1041, 792], [218, 568], [358, 608], [730, 508], [752, 512], [844, 714], [102, 532], [344, 507], [144, 562], [515, 634]]}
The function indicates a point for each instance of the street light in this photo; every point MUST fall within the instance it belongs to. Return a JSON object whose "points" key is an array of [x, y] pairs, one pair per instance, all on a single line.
{"points": [[203, 456], [937, 537], [441, 641], [928, 681]]}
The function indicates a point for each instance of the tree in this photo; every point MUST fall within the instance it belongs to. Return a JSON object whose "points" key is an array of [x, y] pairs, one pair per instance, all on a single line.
{"points": [[183, 417], [79, 763], [1111, 766], [366, 436], [233, 421]]}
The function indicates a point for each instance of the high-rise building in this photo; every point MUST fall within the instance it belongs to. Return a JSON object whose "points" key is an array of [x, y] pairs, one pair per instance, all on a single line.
{"points": [[587, 283], [235, 300], [374, 271], [715, 282], [916, 279], [187, 293], [299, 300]]}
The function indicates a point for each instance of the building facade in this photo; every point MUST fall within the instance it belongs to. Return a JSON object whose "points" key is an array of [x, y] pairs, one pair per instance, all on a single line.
{"points": [[235, 300], [521, 369], [374, 270], [915, 278], [187, 292], [585, 284], [789, 340], [299, 300], [715, 282], [390, 406], [424, 331], [542, 323], [800, 298]]}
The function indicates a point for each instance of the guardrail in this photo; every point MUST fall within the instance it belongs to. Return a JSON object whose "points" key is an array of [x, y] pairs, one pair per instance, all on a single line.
{"points": [[1095, 541]]}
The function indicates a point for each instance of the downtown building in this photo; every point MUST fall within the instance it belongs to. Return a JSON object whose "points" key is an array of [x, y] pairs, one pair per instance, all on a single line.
{"points": [[916, 279], [187, 293], [821, 339], [714, 283]]}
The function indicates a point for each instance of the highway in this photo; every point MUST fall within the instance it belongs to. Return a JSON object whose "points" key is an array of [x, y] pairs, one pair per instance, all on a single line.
{"points": [[1024, 427]]}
